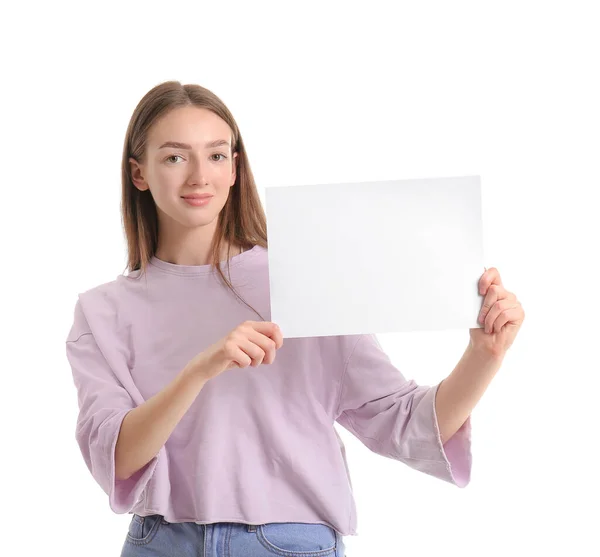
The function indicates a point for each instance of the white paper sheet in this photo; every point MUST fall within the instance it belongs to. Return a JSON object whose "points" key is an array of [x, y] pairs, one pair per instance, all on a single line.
{"points": [[375, 257]]}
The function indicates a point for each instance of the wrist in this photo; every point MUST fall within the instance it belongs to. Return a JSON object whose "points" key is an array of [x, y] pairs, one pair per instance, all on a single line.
{"points": [[485, 353], [202, 367]]}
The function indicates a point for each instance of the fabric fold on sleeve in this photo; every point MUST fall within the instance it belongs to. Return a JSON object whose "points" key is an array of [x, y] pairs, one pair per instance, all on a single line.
{"points": [[103, 404], [396, 418]]}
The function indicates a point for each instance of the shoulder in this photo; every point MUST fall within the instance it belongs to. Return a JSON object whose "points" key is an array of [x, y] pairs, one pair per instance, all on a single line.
{"points": [[103, 296], [258, 254], [99, 304]]}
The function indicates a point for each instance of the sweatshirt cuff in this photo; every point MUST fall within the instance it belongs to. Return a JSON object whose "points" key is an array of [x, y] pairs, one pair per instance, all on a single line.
{"points": [[124, 494], [456, 451]]}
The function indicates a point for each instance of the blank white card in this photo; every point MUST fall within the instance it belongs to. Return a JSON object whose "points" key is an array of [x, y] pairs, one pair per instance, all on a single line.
{"points": [[375, 257]]}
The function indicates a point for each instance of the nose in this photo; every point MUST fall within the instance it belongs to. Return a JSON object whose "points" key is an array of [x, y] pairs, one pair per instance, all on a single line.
{"points": [[197, 172]]}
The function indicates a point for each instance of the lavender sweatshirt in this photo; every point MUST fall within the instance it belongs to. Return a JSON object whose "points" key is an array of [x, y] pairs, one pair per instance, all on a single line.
{"points": [[257, 445]]}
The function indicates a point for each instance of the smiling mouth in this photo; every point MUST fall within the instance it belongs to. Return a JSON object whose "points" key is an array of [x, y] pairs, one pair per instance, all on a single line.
{"points": [[197, 201]]}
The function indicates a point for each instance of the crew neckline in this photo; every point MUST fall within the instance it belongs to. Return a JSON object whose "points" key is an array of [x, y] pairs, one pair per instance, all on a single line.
{"points": [[197, 270]]}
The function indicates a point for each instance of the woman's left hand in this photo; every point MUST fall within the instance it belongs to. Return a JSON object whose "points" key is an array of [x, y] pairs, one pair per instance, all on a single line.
{"points": [[501, 313]]}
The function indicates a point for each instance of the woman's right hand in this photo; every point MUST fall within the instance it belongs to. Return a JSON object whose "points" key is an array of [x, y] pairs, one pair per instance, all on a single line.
{"points": [[251, 343]]}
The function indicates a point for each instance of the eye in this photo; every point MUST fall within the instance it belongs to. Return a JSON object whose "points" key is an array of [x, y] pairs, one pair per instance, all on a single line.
{"points": [[172, 156], [219, 155]]}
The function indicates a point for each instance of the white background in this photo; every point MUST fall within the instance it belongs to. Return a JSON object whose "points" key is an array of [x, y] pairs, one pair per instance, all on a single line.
{"points": [[322, 93]]}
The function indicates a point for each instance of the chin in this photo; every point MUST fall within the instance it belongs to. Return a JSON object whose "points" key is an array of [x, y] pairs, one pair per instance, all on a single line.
{"points": [[202, 220]]}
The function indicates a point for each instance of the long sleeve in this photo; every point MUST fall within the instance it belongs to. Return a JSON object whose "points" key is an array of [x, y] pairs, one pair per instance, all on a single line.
{"points": [[396, 418], [103, 404]]}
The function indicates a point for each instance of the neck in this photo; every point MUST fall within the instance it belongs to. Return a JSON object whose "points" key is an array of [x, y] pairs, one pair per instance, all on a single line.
{"points": [[195, 255]]}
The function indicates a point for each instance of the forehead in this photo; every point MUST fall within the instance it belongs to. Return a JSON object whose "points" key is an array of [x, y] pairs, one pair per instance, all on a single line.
{"points": [[188, 124]]}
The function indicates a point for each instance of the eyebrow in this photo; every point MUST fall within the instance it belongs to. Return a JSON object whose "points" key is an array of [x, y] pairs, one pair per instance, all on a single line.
{"points": [[179, 145]]}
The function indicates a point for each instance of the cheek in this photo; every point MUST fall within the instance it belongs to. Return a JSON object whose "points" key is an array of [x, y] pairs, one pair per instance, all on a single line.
{"points": [[167, 176], [222, 182], [168, 183]]}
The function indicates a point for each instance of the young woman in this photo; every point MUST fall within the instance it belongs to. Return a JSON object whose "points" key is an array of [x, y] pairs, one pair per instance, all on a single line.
{"points": [[202, 451]]}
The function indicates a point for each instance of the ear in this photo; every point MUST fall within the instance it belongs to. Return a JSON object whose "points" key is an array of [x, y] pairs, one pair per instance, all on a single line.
{"points": [[234, 169], [136, 175]]}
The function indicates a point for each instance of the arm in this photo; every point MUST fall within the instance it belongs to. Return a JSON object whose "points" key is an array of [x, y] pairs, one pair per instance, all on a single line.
{"points": [[396, 417], [145, 429], [101, 378], [458, 394]]}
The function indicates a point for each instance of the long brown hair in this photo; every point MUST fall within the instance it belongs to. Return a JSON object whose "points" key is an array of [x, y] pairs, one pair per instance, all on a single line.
{"points": [[241, 221]]}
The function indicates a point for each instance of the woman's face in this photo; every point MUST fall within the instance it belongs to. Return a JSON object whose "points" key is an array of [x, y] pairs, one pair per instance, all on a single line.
{"points": [[202, 163]]}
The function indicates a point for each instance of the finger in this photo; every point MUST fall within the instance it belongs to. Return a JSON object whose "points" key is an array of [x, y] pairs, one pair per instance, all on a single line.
{"points": [[269, 329], [494, 295], [255, 352], [493, 311], [240, 358], [497, 309], [490, 299], [491, 276], [267, 344], [278, 337], [511, 314]]}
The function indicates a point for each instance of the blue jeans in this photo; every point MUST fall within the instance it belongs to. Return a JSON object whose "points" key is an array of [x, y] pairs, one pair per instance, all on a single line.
{"points": [[153, 536]]}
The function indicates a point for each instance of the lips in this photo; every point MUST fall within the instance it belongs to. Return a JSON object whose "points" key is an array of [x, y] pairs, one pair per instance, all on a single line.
{"points": [[197, 196]]}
